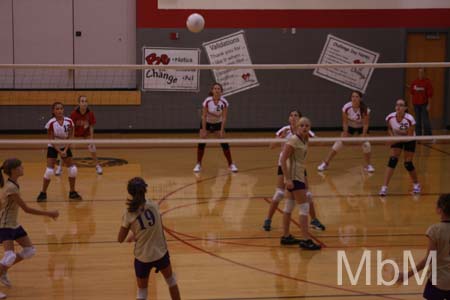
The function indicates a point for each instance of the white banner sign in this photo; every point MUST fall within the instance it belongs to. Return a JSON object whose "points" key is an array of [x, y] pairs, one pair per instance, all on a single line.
{"points": [[229, 50], [170, 80], [337, 51]]}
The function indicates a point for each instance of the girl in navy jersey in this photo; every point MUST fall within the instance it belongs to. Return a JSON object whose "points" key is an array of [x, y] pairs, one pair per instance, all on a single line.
{"points": [[59, 128], [355, 120], [214, 118], [400, 123]]}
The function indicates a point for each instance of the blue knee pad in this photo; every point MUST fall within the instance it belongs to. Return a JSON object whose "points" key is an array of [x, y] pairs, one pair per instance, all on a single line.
{"points": [[392, 162], [409, 166]]}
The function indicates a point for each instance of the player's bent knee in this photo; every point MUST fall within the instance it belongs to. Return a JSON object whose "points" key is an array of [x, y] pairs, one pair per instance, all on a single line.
{"points": [[171, 281], [289, 206], [409, 166], [303, 209], [49, 172], [202, 146], [142, 294], [392, 163], [309, 196], [92, 148], [27, 252], [366, 148], [278, 196], [73, 171], [337, 146], [8, 258], [225, 146]]}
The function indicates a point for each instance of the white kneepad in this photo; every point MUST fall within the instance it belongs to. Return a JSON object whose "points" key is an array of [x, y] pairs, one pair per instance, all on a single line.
{"points": [[366, 148], [73, 171], [8, 258], [289, 206], [303, 209], [92, 148], [309, 196], [49, 173], [337, 146], [278, 196], [171, 281], [27, 252], [142, 294]]}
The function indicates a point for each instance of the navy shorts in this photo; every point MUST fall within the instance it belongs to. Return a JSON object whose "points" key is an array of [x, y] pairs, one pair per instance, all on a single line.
{"points": [[211, 127], [353, 130], [143, 270], [12, 234], [52, 153], [407, 146], [298, 185], [431, 292]]}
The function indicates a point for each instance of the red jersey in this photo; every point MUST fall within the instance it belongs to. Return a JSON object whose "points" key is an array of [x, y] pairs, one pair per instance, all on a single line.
{"points": [[82, 122], [421, 90]]}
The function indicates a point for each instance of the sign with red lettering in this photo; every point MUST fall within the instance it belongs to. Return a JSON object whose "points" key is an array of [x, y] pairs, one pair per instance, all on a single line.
{"points": [[170, 80]]}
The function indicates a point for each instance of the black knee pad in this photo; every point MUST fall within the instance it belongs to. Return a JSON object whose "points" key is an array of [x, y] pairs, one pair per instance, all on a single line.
{"points": [[202, 146], [392, 162], [409, 166], [225, 146]]}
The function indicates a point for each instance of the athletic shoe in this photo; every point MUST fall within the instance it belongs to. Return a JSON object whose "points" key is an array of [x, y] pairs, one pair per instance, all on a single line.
{"points": [[369, 169], [416, 188], [316, 224], [74, 196], [322, 167], [267, 224], [58, 170], [233, 168], [197, 168], [5, 280], [2, 295], [309, 245], [383, 191], [42, 197], [99, 169], [289, 240]]}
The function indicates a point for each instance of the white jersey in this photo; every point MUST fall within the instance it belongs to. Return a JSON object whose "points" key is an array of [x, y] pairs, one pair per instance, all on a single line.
{"points": [[214, 111], [400, 127], [354, 116], [286, 133], [60, 132]]}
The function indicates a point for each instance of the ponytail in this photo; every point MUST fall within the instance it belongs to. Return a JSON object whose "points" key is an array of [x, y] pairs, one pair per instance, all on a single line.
{"points": [[137, 189], [7, 166]]}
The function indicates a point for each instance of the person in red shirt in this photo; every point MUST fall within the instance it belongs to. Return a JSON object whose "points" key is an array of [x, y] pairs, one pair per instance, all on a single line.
{"points": [[421, 92], [84, 120]]}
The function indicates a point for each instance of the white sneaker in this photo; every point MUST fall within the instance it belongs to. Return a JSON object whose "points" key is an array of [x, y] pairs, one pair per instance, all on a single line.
{"points": [[416, 188], [383, 191], [369, 169], [197, 168], [5, 280], [99, 169], [233, 168], [58, 170], [322, 167], [2, 295]]}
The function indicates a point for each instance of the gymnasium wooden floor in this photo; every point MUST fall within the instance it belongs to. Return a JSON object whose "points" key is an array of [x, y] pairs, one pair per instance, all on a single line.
{"points": [[213, 224]]}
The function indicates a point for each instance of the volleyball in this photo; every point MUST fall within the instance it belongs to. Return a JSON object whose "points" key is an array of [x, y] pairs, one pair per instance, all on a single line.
{"points": [[195, 23]]}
